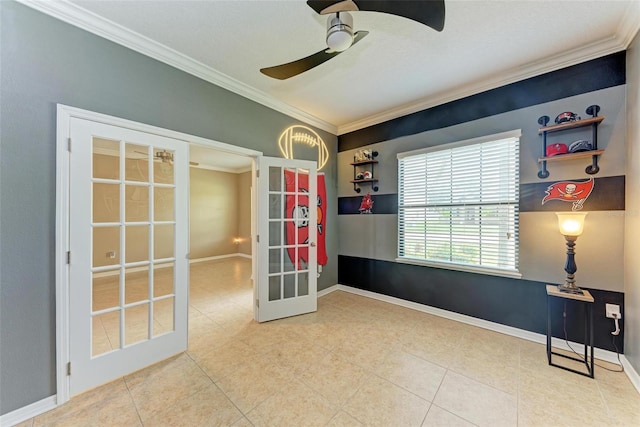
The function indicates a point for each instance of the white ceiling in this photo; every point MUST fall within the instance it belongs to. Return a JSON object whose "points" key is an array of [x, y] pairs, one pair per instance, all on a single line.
{"points": [[399, 68]]}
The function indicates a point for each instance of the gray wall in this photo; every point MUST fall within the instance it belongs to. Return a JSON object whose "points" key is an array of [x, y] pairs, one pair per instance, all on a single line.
{"points": [[45, 62], [632, 223], [542, 248]]}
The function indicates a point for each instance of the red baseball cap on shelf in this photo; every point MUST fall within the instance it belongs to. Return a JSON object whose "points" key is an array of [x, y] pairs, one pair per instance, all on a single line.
{"points": [[555, 149]]}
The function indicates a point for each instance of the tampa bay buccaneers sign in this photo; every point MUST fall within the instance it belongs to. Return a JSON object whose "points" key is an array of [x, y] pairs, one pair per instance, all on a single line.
{"points": [[575, 192], [300, 212]]}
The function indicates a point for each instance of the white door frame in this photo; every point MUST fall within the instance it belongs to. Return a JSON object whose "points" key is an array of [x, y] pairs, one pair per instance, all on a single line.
{"points": [[64, 115]]}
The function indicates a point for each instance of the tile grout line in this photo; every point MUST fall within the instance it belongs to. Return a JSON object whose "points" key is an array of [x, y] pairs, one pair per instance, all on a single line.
{"points": [[135, 405], [221, 390], [518, 384], [604, 401]]}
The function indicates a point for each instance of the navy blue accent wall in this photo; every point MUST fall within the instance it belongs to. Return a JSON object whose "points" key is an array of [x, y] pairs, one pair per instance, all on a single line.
{"points": [[382, 204], [607, 195], [513, 302], [596, 74]]}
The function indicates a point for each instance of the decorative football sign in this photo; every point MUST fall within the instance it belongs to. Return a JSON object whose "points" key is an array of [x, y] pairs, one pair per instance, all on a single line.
{"points": [[575, 192], [299, 134]]}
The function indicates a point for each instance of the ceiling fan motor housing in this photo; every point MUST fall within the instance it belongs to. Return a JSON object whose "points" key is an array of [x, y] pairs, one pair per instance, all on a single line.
{"points": [[339, 31]]}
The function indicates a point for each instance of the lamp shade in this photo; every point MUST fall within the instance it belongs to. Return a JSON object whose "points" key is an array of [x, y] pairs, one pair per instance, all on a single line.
{"points": [[571, 223]]}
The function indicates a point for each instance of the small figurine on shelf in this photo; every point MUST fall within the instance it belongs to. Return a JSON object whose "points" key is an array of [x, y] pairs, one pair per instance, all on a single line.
{"points": [[366, 206], [364, 155]]}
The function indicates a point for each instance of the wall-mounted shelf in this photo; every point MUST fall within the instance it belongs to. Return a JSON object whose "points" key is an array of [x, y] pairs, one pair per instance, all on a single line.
{"points": [[361, 181], [364, 162], [359, 166], [571, 125], [571, 156], [592, 121]]}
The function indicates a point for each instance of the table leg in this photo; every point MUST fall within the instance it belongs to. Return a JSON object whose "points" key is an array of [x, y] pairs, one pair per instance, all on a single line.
{"points": [[590, 308], [548, 330]]}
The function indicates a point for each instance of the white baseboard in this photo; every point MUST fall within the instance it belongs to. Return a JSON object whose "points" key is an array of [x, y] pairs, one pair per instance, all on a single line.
{"points": [[26, 412], [131, 270], [605, 355], [165, 265], [631, 373], [217, 257], [327, 290]]}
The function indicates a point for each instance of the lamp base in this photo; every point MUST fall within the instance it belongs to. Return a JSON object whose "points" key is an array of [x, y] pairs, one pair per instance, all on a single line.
{"points": [[570, 289]]}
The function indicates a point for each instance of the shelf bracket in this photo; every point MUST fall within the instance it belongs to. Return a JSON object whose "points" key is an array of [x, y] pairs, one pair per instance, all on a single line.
{"points": [[543, 172], [593, 168]]}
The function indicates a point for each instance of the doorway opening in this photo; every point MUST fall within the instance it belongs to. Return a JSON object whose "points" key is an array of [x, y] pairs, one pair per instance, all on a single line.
{"points": [[221, 291], [122, 246]]}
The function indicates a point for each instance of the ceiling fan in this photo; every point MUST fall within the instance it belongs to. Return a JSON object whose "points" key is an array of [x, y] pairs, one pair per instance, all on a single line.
{"points": [[164, 156], [340, 35]]}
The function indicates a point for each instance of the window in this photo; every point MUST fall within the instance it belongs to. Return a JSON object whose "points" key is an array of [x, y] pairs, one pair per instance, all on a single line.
{"points": [[458, 205]]}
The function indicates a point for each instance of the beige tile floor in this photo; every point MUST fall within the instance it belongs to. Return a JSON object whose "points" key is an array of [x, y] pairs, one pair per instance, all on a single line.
{"points": [[356, 361]]}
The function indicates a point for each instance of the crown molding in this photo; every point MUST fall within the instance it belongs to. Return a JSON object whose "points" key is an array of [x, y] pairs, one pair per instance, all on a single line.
{"points": [[630, 24], [626, 32], [82, 18], [93, 23], [237, 170]]}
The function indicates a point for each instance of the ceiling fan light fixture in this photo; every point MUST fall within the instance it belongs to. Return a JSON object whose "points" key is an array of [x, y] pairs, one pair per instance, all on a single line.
{"points": [[339, 31], [165, 156]]}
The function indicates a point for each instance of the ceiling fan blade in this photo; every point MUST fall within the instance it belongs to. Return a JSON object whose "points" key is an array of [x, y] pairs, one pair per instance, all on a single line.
{"points": [[290, 69], [324, 7], [428, 12]]}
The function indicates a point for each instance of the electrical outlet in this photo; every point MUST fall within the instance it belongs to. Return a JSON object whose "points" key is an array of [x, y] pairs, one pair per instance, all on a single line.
{"points": [[111, 254], [613, 311]]}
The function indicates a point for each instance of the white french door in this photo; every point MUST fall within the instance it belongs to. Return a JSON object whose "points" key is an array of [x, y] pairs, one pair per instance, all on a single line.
{"points": [[128, 240], [287, 228]]}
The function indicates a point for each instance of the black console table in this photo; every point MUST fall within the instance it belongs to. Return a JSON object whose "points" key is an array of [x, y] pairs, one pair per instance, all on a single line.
{"points": [[587, 300]]}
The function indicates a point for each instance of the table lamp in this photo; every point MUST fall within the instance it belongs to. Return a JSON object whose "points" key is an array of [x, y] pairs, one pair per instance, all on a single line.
{"points": [[571, 225]]}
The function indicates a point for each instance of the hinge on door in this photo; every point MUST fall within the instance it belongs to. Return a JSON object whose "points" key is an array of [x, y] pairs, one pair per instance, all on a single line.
{"points": [[258, 173], [68, 257], [258, 238], [69, 368], [69, 144], [258, 303]]}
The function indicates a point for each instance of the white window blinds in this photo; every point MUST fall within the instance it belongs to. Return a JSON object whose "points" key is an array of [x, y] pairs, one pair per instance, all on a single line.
{"points": [[458, 204]]}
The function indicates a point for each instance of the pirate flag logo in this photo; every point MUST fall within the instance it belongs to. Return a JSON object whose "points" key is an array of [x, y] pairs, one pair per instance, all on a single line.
{"points": [[299, 212], [575, 192]]}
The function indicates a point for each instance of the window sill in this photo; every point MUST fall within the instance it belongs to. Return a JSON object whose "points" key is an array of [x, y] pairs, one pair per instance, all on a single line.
{"points": [[461, 267]]}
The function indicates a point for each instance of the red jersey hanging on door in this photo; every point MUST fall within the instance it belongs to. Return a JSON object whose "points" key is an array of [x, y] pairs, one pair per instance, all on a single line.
{"points": [[301, 212]]}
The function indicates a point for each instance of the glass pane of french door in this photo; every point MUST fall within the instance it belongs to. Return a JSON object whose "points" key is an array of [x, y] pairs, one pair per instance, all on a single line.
{"points": [[288, 220], [132, 228], [128, 238]]}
